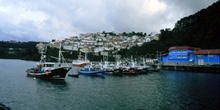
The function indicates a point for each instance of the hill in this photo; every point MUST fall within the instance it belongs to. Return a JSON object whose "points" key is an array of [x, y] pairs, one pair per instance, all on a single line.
{"points": [[19, 50], [200, 30]]}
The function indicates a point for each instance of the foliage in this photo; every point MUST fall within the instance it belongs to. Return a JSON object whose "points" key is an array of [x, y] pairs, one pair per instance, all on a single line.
{"points": [[19, 50]]}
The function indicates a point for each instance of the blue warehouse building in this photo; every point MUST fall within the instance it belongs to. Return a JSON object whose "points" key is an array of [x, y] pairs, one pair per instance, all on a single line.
{"points": [[187, 55]]}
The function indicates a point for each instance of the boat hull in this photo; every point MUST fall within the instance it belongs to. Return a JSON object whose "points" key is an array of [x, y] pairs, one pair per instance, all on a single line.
{"points": [[57, 73], [117, 72], [80, 65], [153, 70], [130, 71], [143, 71], [93, 73]]}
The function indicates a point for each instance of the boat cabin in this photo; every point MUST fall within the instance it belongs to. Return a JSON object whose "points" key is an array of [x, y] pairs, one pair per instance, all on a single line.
{"points": [[45, 66], [48, 64]]}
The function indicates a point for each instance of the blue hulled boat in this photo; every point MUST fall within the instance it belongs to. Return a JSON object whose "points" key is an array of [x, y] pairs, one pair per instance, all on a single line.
{"points": [[89, 70]]}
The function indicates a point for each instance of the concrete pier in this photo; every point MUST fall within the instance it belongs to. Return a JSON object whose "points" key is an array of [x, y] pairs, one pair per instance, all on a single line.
{"points": [[195, 68]]}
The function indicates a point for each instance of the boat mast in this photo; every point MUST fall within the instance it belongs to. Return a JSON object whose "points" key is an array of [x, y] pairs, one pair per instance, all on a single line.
{"points": [[79, 56], [59, 60], [42, 51], [132, 61], [85, 56]]}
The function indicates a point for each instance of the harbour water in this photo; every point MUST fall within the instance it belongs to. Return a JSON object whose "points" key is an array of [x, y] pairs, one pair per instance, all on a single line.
{"points": [[165, 90]]}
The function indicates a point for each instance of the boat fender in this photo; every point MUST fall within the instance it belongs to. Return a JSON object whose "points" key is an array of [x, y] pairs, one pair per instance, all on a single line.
{"points": [[60, 65], [47, 73], [26, 70], [34, 74]]}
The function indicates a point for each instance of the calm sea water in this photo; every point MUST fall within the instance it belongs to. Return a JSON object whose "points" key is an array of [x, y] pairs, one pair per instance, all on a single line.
{"points": [[165, 90]]}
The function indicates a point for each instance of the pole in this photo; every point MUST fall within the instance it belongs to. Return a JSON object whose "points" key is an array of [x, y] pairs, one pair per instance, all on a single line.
{"points": [[160, 56], [157, 54], [59, 60], [208, 56]]}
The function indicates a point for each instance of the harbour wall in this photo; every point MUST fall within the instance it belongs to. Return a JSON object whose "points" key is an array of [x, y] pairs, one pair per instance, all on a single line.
{"points": [[195, 68]]}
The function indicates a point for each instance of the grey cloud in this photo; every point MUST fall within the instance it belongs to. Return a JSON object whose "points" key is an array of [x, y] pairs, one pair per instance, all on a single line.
{"points": [[48, 19]]}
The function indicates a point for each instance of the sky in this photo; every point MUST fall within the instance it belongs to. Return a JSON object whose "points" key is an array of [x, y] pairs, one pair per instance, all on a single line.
{"points": [[44, 20]]}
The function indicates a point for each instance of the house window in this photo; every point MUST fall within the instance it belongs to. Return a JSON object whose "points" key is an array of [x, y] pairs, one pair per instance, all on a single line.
{"points": [[173, 51], [178, 50], [178, 56], [170, 56], [184, 56], [184, 50], [211, 55]]}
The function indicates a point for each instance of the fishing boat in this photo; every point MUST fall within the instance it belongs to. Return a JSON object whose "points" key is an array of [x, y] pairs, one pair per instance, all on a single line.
{"points": [[143, 69], [107, 68], [89, 70], [81, 62], [49, 70], [130, 71], [117, 69]]}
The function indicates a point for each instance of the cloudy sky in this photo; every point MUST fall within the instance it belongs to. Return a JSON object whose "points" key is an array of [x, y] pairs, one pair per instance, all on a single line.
{"points": [[43, 20]]}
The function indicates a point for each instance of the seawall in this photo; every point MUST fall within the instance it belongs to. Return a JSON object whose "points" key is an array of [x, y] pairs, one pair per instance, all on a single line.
{"points": [[195, 68]]}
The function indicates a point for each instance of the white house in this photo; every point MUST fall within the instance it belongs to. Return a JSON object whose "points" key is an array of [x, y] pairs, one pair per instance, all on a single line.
{"points": [[147, 39], [98, 49]]}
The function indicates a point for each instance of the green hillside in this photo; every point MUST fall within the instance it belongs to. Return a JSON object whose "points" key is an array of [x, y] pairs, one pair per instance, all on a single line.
{"points": [[19, 50]]}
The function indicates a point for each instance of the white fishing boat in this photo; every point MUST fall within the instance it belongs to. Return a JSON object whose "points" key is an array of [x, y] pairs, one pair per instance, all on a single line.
{"points": [[81, 62]]}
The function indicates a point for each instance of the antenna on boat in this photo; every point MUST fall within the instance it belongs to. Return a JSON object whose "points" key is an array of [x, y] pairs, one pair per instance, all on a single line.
{"points": [[42, 50], [144, 62], [59, 59], [85, 56]]}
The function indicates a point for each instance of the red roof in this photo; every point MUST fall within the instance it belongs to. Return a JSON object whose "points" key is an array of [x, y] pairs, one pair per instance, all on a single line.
{"points": [[206, 52], [165, 54], [183, 47]]}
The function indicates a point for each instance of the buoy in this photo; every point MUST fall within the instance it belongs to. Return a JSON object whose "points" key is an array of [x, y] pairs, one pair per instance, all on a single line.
{"points": [[26, 70], [34, 74], [47, 73]]}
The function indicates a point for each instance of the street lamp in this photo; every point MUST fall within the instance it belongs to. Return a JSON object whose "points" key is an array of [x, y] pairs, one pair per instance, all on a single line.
{"points": [[160, 56], [146, 57], [208, 55], [150, 56], [157, 54]]}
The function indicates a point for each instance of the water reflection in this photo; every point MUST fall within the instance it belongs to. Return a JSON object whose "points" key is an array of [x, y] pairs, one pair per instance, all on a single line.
{"points": [[52, 82], [169, 90], [55, 84]]}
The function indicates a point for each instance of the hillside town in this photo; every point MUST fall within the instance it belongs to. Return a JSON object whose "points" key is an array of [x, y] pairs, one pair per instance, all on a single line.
{"points": [[98, 42]]}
